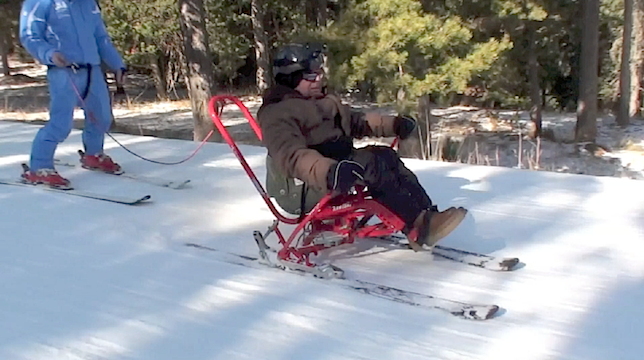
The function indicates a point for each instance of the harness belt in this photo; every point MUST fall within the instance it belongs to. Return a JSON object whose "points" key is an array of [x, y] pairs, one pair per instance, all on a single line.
{"points": [[75, 68]]}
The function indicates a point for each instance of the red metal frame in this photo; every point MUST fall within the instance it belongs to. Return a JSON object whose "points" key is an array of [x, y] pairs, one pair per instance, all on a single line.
{"points": [[346, 216]]}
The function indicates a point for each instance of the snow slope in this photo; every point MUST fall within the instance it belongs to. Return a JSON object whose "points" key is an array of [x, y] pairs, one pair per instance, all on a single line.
{"points": [[84, 279]]}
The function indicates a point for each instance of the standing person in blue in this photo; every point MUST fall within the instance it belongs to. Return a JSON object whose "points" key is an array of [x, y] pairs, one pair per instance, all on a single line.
{"points": [[69, 36]]}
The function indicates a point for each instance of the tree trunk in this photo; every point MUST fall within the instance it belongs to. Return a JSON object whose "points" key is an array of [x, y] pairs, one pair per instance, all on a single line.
{"points": [[623, 115], [263, 76], [5, 39], [533, 74], [157, 62], [316, 12], [321, 13], [402, 94], [637, 63], [10, 29], [310, 10], [586, 127], [199, 63], [418, 145], [4, 52]]}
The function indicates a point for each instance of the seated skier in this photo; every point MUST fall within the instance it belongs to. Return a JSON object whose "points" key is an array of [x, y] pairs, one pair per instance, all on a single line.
{"points": [[309, 136]]}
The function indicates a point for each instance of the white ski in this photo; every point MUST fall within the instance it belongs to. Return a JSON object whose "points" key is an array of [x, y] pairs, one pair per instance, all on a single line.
{"points": [[146, 179], [176, 185], [80, 193], [471, 258], [456, 308]]}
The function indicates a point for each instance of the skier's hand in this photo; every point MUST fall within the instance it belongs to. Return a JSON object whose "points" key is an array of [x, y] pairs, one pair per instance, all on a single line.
{"points": [[343, 175], [59, 59], [404, 125], [119, 77]]}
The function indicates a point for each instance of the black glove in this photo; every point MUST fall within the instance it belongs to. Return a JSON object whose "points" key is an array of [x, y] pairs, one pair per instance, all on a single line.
{"points": [[343, 175], [404, 125], [120, 90]]}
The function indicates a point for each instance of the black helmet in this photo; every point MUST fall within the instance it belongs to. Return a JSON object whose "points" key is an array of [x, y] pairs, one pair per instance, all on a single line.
{"points": [[295, 57]]}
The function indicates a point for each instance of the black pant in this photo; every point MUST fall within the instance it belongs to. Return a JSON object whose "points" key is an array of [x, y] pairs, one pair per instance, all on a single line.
{"points": [[391, 183]]}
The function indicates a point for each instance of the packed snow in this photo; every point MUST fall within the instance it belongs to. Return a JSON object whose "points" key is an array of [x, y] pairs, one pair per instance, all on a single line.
{"points": [[86, 279]]}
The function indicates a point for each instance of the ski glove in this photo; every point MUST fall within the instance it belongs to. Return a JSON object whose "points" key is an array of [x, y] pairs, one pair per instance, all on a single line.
{"points": [[59, 59], [404, 125], [343, 175]]}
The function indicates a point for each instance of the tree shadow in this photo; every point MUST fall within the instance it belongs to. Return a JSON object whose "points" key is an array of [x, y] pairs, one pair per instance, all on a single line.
{"points": [[611, 327], [89, 281]]}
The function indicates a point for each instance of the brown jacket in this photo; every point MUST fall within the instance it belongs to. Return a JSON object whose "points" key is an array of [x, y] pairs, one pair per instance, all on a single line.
{"points": [[296, 130]]}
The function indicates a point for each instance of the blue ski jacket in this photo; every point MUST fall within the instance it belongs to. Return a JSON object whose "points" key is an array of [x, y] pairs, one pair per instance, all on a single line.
{"points": [[74, 28]]}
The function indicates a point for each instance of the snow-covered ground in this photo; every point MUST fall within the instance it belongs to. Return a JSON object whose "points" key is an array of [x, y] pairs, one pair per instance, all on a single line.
{"points": [[84, 279]]}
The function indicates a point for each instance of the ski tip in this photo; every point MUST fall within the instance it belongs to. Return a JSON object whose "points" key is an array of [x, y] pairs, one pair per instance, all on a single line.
{"points": [[140, 200], [494, 309], [478, 312], [145, 198], [178, 185], [509, 264]]}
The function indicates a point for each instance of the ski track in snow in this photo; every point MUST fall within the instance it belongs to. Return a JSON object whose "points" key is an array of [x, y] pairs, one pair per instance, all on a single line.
{"points": [[83, 279]]}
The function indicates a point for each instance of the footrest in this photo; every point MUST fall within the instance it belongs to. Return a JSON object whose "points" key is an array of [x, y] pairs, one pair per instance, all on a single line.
{"points": [[324, 271]]}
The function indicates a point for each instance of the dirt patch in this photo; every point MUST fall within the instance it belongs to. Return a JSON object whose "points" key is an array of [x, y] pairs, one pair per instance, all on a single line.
{"points": [[19, 79], [462, 134]]}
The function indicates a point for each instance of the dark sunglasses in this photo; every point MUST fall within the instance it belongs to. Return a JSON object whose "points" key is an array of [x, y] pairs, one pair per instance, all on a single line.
{"points": [[312, 76]]}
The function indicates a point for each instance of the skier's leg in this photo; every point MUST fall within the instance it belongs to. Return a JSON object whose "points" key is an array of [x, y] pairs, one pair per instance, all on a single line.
{"points": [[61, 112], [391, 183], [98, 117], [396, 187], [98, 113]]}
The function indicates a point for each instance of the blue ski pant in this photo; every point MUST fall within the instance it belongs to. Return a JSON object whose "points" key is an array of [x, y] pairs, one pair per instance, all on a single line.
{"points": [[63, 100]]}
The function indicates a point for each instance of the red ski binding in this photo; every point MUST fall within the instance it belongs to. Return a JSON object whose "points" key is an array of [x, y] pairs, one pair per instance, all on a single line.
{"points": [[46, 177], [100, 162]]}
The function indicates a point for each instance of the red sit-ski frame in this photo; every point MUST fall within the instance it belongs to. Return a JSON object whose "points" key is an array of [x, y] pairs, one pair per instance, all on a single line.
{"points": [[345, 216]]}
